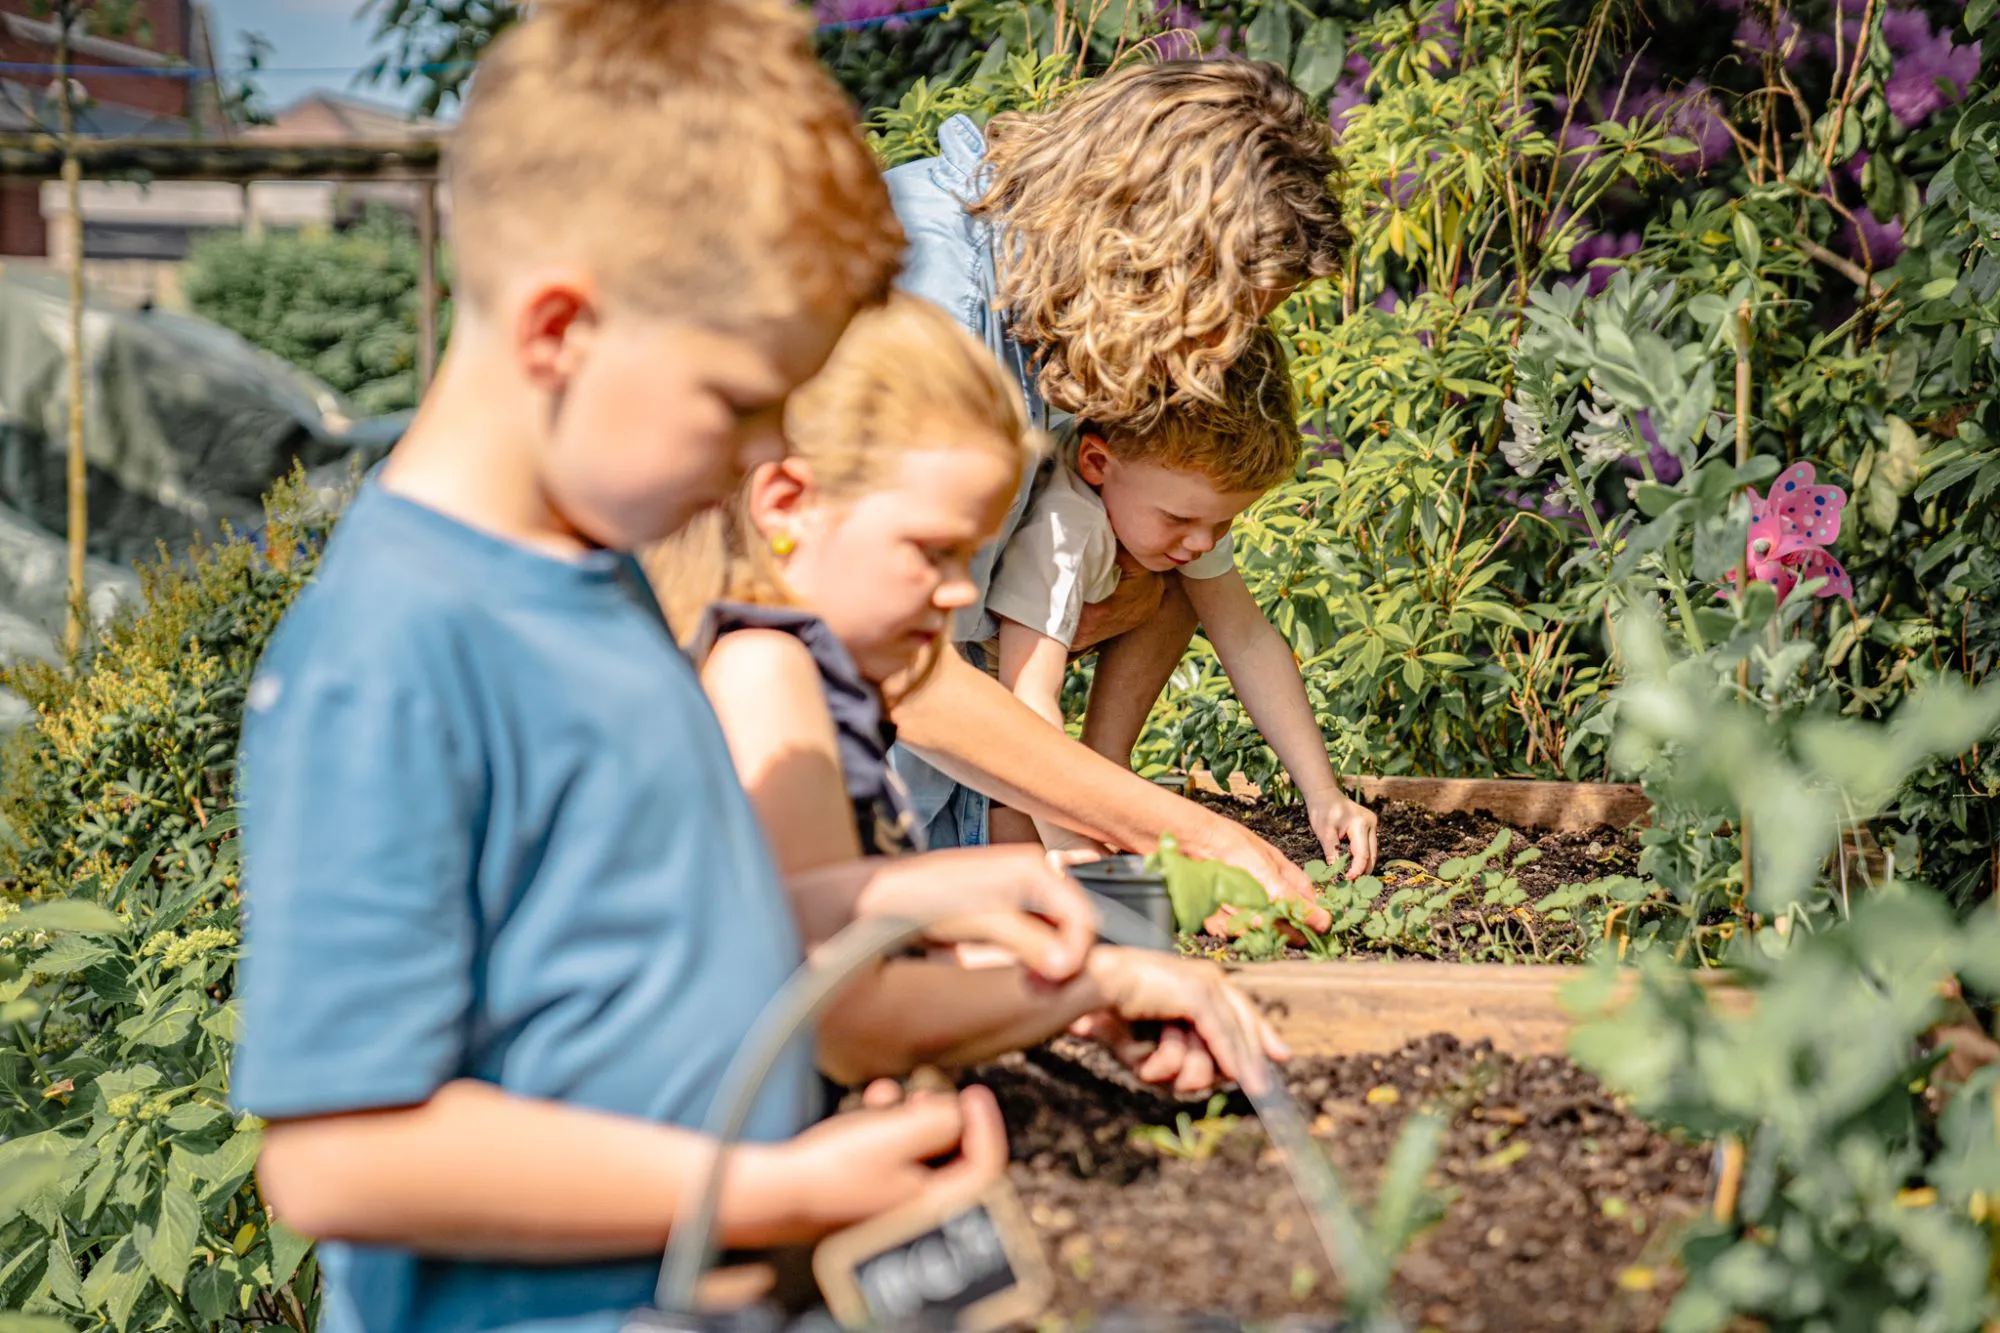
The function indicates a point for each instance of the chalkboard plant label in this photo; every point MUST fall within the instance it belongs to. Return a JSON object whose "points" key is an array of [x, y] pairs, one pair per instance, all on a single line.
{"points": [[972, 1265]]}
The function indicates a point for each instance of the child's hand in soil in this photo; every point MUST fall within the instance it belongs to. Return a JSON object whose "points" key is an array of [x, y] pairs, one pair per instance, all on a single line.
{"points": [[855, 1166], [1211, 1026], [1336, 819], [1018, 899]]}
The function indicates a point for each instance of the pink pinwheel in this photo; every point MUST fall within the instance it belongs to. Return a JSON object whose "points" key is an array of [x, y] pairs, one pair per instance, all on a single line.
{"points": [[1790, 531]]}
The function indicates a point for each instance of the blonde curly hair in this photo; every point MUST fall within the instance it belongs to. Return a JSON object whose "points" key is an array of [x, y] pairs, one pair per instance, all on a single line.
{"points": [[1248, 442], [1144, 221]]}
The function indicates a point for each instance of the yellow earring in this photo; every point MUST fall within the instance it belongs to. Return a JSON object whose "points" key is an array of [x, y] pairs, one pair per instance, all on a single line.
{"points": [[782, 545]]}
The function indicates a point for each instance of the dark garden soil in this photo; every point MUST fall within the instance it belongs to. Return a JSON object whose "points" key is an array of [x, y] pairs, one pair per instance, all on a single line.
{"points": [[1559, 1209], [1413, 843]]}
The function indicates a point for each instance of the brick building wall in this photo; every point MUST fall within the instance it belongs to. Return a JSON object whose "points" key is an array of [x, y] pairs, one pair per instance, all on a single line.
{"points": [[164, 35], [22, 231], [168, 30]]}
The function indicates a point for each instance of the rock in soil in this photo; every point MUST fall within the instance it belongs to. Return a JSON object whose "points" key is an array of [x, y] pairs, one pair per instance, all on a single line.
{"points": [[1559, 1206]]}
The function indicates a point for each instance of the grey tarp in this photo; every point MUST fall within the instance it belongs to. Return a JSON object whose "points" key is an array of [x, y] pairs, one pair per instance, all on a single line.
{"points": [[186, 426]]}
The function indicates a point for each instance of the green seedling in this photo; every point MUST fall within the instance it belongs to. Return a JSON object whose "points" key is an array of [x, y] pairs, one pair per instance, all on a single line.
{"points": [[1190, 1140], [1198, 888]]}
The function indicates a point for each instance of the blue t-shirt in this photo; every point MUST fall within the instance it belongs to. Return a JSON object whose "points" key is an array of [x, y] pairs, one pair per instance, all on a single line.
{"points": [[491, 831]]}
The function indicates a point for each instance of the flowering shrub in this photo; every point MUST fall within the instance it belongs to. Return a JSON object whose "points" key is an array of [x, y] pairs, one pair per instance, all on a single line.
{"points": [[126, 1200]]}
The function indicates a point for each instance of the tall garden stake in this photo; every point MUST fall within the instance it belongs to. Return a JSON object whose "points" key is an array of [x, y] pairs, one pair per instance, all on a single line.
{"points": [[1743, 562], [72, 175]]}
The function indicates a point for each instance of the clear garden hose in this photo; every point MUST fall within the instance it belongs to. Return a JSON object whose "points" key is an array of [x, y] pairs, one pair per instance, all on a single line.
{"points": [[691, 1246]]}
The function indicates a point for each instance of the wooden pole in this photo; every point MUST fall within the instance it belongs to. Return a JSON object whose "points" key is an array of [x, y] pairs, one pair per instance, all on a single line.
{"points": [[72, 175], [427, 284], [1743, 565]]}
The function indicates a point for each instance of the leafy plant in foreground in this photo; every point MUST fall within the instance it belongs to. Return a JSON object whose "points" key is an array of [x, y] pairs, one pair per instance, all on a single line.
{"points": [[126, 1198], [1847, 1203]]}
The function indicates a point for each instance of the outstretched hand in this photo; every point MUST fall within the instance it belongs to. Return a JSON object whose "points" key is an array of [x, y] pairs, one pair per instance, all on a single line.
{"points": [[1336, 818], [1211, 1027], [1018, 898]]}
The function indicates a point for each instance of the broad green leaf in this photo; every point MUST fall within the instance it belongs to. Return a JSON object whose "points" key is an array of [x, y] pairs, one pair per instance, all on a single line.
{"points": [[1198, 888], [97, 1185], [116, 1281], [15, 1272], [68, 915], [168, 1244], [1322, 51], [1978, 13], [69, 955], [211, 1290], [61, 1275], [27, 1167], [162, 1027], [12, 1321], [192, 1117], [1269, 35], [1748, 243], [288, 1249], [223, 1169]]}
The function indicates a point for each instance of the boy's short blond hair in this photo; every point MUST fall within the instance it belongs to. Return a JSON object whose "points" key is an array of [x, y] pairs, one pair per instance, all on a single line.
{"points": [[692, 155], [1247, 442]]}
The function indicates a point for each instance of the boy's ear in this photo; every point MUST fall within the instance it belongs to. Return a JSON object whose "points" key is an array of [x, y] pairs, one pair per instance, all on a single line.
{"points": [[555, 323], [777, 494], [1092, 456]]}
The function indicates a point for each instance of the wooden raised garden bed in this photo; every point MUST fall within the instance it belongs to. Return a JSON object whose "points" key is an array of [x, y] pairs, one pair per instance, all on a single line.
{"points": [[1560, 1207]]}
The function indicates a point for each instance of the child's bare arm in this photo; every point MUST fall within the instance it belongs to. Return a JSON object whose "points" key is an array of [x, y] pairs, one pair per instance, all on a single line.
{"points": [[1266, 677], [924, 1012], [477, 1173], [974, 729], [1032, 666], [767, 695]]}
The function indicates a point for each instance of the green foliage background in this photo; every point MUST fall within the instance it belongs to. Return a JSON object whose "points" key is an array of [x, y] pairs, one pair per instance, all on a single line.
{"points": [[341, 305], [1451, 616]]}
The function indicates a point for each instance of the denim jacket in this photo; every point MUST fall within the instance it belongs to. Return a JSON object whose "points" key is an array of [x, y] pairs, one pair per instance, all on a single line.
{"points": [[950, 262]]}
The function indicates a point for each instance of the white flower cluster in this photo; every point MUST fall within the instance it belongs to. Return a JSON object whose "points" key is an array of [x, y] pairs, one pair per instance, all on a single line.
{"points": [[1605, 440], [1524, 448]]}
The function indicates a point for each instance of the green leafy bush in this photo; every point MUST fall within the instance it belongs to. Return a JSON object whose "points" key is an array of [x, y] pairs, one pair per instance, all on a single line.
{"points": [[126, 1198], [342, 306], [1859, 1206]]}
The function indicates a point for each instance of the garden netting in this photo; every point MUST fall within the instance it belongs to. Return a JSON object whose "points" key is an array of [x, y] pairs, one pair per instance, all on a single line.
{"points": [[186, 427]]}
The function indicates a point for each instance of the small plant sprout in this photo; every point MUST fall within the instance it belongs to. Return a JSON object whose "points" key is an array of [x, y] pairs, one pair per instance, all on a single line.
{"points": [[1190, 1140]]}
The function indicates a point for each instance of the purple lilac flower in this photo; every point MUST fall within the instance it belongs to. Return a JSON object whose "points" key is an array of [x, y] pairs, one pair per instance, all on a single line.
{"points": [[858, 11], [1577, 136], [1666, 468], [1885, 239], [1755, 34], [1692, 114], [1602, 246], [1350, 92], [1929, 75], [1556, 507]]}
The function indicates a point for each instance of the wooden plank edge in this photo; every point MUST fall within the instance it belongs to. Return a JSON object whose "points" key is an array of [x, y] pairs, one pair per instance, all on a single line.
{"points": [[1563, 807], [1364, 1008]]}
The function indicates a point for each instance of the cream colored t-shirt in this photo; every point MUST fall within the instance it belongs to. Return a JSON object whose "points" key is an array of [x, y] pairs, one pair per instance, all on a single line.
{"points": [[1065, 556]]}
